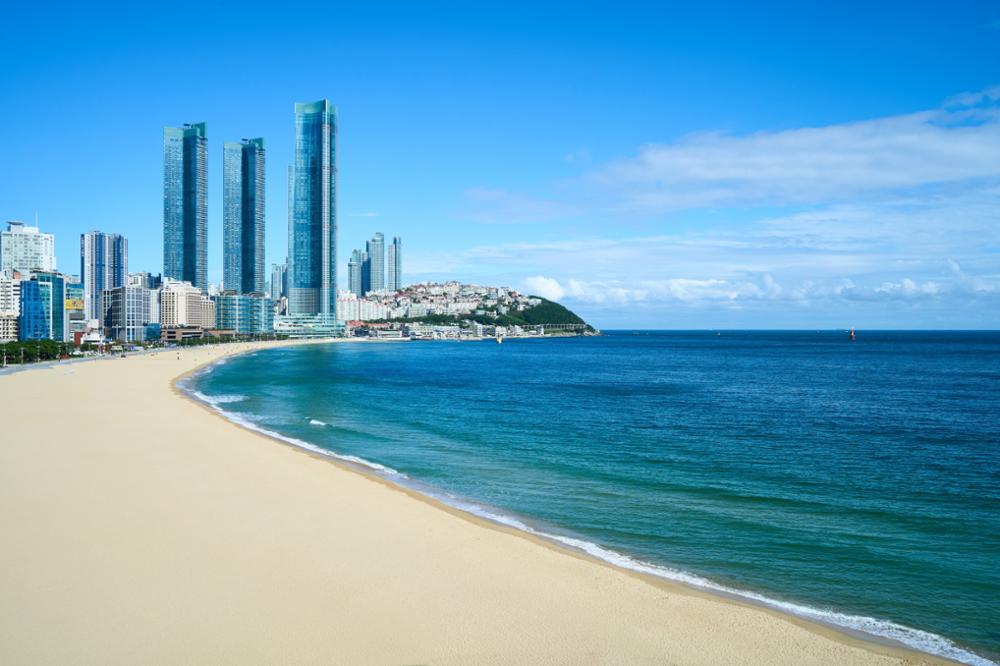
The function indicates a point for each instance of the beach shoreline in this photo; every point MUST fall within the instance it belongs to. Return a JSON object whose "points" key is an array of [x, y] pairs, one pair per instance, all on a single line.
{"points": [[777, 637]]}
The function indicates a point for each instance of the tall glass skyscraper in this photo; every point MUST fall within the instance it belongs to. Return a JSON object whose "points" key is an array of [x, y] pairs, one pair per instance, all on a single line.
{"points": [[354, 268], [243, 216], [376, 262], [312, 229], [394, 267], [103, 265], [185, 204]]}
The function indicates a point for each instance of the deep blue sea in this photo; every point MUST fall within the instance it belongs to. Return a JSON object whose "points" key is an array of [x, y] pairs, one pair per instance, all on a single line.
{"points": [[857, 483]]}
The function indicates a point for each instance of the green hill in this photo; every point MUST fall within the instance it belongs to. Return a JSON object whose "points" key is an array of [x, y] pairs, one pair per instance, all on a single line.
{"points": [[548, 312]]}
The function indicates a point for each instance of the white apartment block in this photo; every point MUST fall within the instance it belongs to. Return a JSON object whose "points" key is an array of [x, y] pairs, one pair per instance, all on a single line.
{"points": [[25, 249], [10, 293]]}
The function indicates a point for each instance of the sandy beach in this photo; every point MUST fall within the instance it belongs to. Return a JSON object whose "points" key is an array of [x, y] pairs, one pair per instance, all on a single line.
{"points": [[138, 526]]}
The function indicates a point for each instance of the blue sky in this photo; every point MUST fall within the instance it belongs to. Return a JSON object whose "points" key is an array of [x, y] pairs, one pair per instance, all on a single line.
{"points": [[709, 165]]}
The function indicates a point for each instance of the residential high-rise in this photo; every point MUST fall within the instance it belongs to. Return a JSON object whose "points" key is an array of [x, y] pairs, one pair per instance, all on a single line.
{"points": [[103, 265], [394, 267], [185, 204], [312, 229], [26, 249], [279, 281], [131, 312], [354, 269], [366, 273], [243, 216], [10, 292], [376, 262]]}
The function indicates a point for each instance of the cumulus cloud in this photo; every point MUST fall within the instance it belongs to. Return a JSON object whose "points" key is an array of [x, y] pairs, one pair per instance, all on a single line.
{"points": [[545, 287]]}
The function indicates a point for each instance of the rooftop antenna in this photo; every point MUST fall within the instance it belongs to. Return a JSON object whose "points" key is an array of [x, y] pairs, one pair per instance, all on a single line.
{"points": [[36, 217]]}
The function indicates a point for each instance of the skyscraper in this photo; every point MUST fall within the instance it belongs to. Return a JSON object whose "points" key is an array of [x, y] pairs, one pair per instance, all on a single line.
{"points": [[185, 204], [243, 216], [354, 268], [312, 229], [25, 249], [376, 262], [103, 265], [279, 281], [366, 273], [394, 268]]}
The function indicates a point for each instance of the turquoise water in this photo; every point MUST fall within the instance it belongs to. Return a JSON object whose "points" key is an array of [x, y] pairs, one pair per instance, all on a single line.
{"points": [[855, 483]]}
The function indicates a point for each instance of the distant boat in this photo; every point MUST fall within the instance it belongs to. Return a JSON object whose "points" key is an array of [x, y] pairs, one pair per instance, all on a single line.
{"points": [[852, 333], [499, 339]]}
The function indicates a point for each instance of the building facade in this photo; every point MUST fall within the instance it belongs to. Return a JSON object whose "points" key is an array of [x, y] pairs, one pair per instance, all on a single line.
{"points": [[182, 304], [53, 295], [279, 281], [103, 265], [8, 327], [74, 315], [33, 323], [354, 271], [185, 204], [10, 292], [25, 249], [131, 313], [376, 262], [312, 230], [394, 265], [245, 314], [243, 216]]}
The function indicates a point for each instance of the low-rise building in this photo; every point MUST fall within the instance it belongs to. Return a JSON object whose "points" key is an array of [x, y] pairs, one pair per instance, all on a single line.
{"points": [[182, 304], [245, 314], [8, 327]]}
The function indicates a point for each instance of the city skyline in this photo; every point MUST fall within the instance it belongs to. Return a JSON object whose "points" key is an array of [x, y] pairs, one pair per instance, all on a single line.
{"points": [[625, 171]]}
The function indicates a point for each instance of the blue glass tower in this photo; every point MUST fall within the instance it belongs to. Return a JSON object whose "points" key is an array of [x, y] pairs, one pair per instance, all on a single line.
{"points": [[53, 295], [185, 204], [32, 323], [243, 216], [312, 228]]}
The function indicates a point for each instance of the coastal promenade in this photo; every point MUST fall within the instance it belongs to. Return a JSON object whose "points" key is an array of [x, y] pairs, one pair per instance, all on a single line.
{"points": [[138, 526]]}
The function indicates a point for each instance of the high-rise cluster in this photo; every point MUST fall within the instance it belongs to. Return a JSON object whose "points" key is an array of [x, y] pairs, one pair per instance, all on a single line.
{"points": [[107, 301], [369, 271]]}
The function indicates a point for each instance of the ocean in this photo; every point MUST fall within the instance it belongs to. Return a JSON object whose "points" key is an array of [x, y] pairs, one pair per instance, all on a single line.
{"points": [[854, 483]]}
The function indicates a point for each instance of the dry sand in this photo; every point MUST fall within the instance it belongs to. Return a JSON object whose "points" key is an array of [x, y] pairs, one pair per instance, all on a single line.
{"points": [[137, 527]]}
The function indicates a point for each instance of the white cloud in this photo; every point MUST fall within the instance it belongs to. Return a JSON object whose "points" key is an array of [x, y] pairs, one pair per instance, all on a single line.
{"points": [[958, 142], [544, 287]]}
